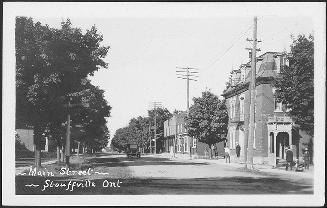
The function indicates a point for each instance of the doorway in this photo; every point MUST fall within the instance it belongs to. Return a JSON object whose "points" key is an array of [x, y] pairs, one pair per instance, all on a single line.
{"points": [[282, 141]]}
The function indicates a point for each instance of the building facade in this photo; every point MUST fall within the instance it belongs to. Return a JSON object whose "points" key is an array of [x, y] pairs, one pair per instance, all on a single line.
{"points": [[176, 137], [26, 136], [274, 129]]}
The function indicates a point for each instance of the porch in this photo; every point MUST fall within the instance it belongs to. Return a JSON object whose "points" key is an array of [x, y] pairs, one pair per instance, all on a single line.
{"points": [[281, 134]]}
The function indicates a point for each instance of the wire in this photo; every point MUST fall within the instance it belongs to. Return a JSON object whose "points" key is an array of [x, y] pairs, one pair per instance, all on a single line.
{"points": [[226, 51]]}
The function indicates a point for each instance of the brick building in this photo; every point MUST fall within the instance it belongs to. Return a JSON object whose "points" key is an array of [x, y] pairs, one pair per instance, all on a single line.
{"points": [[274, 129], [174, 130]]}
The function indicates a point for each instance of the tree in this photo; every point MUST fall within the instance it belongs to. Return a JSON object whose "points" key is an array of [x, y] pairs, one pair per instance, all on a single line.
{"points": [[121, 138], [295, 86], [137, 130], [91, 119], [208, 119], [50, 65]]}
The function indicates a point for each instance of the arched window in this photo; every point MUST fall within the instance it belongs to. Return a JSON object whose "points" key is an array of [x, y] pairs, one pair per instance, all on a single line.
{"points": [[272, 142]]}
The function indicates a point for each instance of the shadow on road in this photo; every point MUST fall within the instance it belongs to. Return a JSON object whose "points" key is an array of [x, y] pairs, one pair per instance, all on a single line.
{"points": [[143, 161]]}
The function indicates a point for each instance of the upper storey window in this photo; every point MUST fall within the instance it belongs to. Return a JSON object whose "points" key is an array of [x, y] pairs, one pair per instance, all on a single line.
{"points": [[242, 106], [232, 107], [278, 106]]}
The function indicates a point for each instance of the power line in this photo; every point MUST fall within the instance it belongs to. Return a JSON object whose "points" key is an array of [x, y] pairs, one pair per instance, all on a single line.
{"points": [[233, 43], [189, 74]]}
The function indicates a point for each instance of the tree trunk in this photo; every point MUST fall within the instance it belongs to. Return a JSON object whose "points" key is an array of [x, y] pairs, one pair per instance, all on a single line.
{"points": [[63, 154], [37, 151], [37, 144], [58, 153], [78, 143], [210, 152]]}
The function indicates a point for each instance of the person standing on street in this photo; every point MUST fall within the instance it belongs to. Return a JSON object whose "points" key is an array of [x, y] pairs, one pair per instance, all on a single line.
{"points": [[215, 151], [227, 154], [238, 150], [306, 158], [289, 158]]}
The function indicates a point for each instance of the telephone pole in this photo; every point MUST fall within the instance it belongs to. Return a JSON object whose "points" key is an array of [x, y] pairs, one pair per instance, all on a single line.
{"points": [[156, 105], [189, 74], [67, 153], [150, 137], [251, 111]]}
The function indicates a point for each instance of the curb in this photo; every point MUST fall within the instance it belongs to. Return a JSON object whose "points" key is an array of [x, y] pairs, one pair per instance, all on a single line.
{"points": [[262, 168]]}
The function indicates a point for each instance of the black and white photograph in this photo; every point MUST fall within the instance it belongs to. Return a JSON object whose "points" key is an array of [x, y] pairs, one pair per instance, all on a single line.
{"points": [[164, 103]]}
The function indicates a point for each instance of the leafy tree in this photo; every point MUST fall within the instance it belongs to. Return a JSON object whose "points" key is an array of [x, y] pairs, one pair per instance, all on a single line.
{"points": [[121, 138], [295, 86], [91, 118], [50, 65], [137, 130], [208, 119]]}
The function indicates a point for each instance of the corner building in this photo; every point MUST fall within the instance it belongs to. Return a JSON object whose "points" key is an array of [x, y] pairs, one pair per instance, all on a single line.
{"points": [[274, 129]]}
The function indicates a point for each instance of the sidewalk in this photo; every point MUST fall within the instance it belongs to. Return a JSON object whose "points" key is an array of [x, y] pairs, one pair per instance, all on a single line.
{"points": [[20, 170], [239, 164]]}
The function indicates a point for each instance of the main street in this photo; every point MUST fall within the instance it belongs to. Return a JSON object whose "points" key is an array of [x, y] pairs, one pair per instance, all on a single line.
{"points": [[117, 174]]}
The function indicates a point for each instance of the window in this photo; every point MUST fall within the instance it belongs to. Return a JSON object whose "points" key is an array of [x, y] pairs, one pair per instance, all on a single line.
{"points": [[194, 143], [242, 107], [179, 144], [272, 142], [278, 106], [185, 144], [232, 107]]}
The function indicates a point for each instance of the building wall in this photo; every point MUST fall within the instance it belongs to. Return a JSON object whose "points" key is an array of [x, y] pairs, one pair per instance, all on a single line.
{"points": [[264, 107], [27, 138]]}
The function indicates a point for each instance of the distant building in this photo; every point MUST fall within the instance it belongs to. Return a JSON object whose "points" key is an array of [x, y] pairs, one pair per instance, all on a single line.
{"points": [[26, 136], [174, 130], [274, 129]]}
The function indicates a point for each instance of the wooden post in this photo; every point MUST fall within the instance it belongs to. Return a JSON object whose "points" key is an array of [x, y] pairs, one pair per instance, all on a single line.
{"points": [[78, 145]]}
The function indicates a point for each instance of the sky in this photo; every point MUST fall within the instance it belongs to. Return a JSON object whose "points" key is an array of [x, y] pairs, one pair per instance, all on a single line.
{"points": [[146, 49]]}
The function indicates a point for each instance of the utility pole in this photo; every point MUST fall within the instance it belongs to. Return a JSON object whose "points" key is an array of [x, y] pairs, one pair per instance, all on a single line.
{"points": [[69, 107], [175, 139], [188, 74], [251, 117], [150, 137], [156, 105], [155, 131], [68, 134]]}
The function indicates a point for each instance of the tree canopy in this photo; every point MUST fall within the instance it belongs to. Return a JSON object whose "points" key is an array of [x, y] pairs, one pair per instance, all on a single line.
{"points": [[141, 129], [295, 86], [52, 66], [208, 119]]}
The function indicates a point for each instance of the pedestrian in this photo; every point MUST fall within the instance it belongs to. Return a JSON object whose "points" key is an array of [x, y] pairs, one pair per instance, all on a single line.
{"points": [[212, 151], [306, 158], [289, 158], [215, 151], [227, 154], [238, 150]]}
